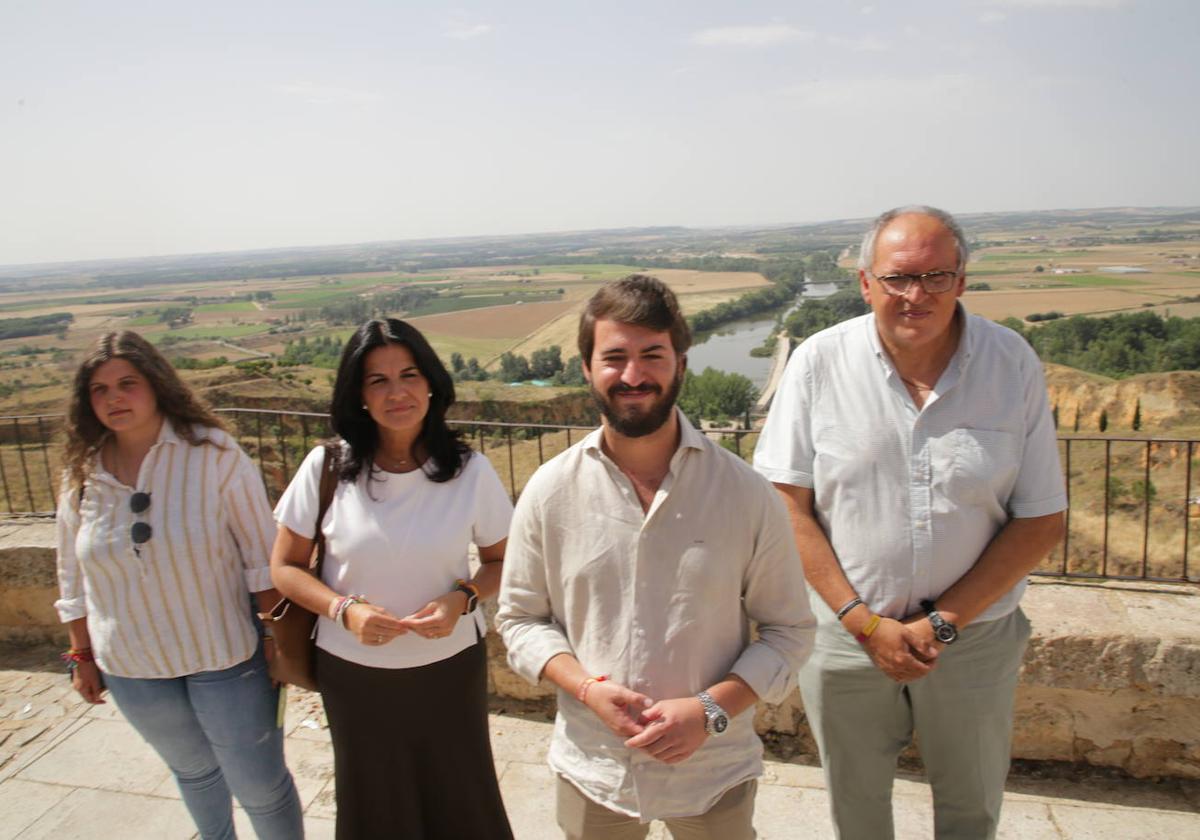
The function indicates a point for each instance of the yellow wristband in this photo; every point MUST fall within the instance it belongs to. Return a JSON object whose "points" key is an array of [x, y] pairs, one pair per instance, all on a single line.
{"points": [[868, 629]]}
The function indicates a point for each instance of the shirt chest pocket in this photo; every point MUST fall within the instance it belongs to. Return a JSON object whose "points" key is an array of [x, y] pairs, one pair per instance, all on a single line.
{"points": [[976, 466], [843, 457]]}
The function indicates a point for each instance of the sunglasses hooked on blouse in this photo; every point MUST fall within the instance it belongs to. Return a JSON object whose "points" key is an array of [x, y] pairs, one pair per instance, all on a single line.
{"points": [[140, 532]]}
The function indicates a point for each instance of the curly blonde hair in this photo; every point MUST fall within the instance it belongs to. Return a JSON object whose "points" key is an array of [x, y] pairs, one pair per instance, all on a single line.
{"points": [[85, 434]]}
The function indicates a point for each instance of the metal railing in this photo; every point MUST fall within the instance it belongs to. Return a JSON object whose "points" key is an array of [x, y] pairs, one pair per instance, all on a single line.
{"points": [[1132, 501]]}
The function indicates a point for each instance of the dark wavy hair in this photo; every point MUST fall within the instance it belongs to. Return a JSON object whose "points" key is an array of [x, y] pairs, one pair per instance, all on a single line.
{"points": [[178, 403], [351, 422]]}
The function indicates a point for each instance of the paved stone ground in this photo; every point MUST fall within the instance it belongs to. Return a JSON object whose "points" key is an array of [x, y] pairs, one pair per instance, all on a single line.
{"points": [[72, 771]]}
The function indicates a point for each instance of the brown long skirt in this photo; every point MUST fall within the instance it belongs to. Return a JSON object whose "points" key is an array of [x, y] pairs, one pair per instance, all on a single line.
{"points": [[411, 753]]}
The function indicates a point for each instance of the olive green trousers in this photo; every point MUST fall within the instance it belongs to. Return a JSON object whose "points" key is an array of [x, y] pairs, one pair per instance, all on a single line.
{"points": [[961, 713]]}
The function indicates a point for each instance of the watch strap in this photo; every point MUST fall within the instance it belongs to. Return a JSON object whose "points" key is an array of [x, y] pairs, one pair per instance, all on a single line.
{"points": [[711, 709], [471, 591]]}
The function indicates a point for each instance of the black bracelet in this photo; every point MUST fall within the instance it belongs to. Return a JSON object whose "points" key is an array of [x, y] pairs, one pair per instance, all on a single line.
{"points": [[849, 605]]}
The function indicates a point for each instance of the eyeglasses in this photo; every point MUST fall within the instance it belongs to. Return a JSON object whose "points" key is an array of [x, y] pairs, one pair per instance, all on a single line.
{"points": [[933, 282], [140, 532]]}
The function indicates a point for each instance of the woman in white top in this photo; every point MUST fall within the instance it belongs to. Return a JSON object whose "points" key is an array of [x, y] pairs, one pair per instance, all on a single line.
{"points": [[401, 662], [163, 532]]}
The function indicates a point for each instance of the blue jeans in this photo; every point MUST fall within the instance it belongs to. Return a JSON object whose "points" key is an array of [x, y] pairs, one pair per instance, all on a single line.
{"points": [[216, 731]]}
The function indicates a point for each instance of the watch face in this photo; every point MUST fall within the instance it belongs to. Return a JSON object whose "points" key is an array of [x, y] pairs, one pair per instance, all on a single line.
{"points": [[945, 633], [719, 724]]}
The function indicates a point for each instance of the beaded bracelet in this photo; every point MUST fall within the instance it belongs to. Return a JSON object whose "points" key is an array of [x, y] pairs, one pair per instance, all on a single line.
{"points": [[581, 692], [74, 656], [344, 605]]}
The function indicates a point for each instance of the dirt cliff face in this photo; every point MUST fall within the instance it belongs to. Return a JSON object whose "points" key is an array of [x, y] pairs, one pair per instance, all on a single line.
{"points": [[572, 408], [1167, 401]]}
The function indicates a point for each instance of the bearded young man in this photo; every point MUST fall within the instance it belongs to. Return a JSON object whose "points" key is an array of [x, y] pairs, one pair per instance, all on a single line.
{"points": [[635, 562]]}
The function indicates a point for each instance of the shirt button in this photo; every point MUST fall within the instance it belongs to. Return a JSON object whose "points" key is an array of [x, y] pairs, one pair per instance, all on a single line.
{"points": [[640, 633]]}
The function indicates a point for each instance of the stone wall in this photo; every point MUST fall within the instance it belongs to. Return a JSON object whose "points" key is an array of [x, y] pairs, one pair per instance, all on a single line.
{"points": [[1111, 677]]}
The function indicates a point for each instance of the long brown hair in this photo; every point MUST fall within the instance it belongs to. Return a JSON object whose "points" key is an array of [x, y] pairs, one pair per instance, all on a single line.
{"points": [[177, 403]]}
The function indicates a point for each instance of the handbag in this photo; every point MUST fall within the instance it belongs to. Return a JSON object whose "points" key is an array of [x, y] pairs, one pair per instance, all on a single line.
{"points": [[293, 626]]}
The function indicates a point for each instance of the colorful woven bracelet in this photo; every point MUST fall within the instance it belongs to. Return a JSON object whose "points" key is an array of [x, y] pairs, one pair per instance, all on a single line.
{"points": [[344, 607], [74, 656]]}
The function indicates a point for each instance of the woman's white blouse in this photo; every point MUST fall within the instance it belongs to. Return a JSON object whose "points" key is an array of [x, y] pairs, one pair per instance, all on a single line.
{"points": [[400, 540]]}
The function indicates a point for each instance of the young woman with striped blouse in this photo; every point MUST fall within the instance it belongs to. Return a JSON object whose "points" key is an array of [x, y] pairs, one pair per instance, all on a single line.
{"points": [[164, 530]]}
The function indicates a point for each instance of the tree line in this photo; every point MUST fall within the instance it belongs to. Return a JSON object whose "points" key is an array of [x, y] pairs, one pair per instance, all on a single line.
{"points": [[788, 278], [816, 314], [545, 365], [35, 325], [1117, 345], [356, 310]]}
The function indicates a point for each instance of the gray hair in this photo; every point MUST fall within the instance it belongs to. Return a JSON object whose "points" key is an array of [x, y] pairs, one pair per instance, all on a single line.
{"points": [[866, 252]]}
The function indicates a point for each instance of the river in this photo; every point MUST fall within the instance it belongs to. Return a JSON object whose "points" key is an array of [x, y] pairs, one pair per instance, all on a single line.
{"points": [[728, 347]]}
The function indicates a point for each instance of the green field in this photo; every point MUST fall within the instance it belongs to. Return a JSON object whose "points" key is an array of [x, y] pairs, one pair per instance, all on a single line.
{"points": [[1041, 255], [21, 304], [593, 271], [317, 296], [441, 305], [1094, 280], [231, 306], [214, 331]]}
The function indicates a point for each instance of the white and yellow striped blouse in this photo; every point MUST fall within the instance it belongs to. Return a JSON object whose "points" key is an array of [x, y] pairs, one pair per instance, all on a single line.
{"points": [[180, 604]]}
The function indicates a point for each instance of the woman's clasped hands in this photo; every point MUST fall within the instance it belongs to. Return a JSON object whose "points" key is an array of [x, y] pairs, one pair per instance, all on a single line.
{"points": [[373, 625]]}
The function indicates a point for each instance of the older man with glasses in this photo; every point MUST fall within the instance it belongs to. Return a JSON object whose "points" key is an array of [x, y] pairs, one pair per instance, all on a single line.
{"points": [[916, 454]]}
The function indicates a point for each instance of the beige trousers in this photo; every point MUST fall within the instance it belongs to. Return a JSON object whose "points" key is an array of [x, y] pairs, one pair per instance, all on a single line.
{"points": [[730, 819]]}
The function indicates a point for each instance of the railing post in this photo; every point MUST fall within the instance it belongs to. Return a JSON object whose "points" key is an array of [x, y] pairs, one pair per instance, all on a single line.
{"points": [[4, 478], [512, 473], [1067, 522], [1107, 478], [1146, 512], [24, 466], [1187, 498], [282, 438], [46, 460], [258, 429]]}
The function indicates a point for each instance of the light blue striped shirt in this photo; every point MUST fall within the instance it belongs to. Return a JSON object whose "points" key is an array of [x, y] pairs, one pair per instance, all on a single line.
{"points": [[909, 497]]}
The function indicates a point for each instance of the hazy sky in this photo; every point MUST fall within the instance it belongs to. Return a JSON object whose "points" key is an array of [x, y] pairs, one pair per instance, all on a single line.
{"points": [[138, 128]]}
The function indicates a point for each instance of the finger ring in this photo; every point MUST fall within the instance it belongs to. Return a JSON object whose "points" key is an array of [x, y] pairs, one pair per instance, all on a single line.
{"points": [[379, 639]]}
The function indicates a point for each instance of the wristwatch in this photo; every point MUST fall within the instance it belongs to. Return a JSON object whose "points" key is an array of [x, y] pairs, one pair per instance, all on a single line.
{"points": [[472, 594], [943, 630], [715, 719]]}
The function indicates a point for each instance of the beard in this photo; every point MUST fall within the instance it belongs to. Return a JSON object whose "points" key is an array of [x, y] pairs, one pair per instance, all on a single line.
{"points": [[637, 421]]}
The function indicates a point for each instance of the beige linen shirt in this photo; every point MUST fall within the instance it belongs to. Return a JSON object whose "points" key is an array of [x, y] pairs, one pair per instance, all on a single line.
{"points": [[182, 606], [660, 602]]}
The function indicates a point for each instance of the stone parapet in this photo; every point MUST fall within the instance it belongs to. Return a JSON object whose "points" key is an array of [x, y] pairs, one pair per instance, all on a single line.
{"points": [[28, 582], [1111, 677]]}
